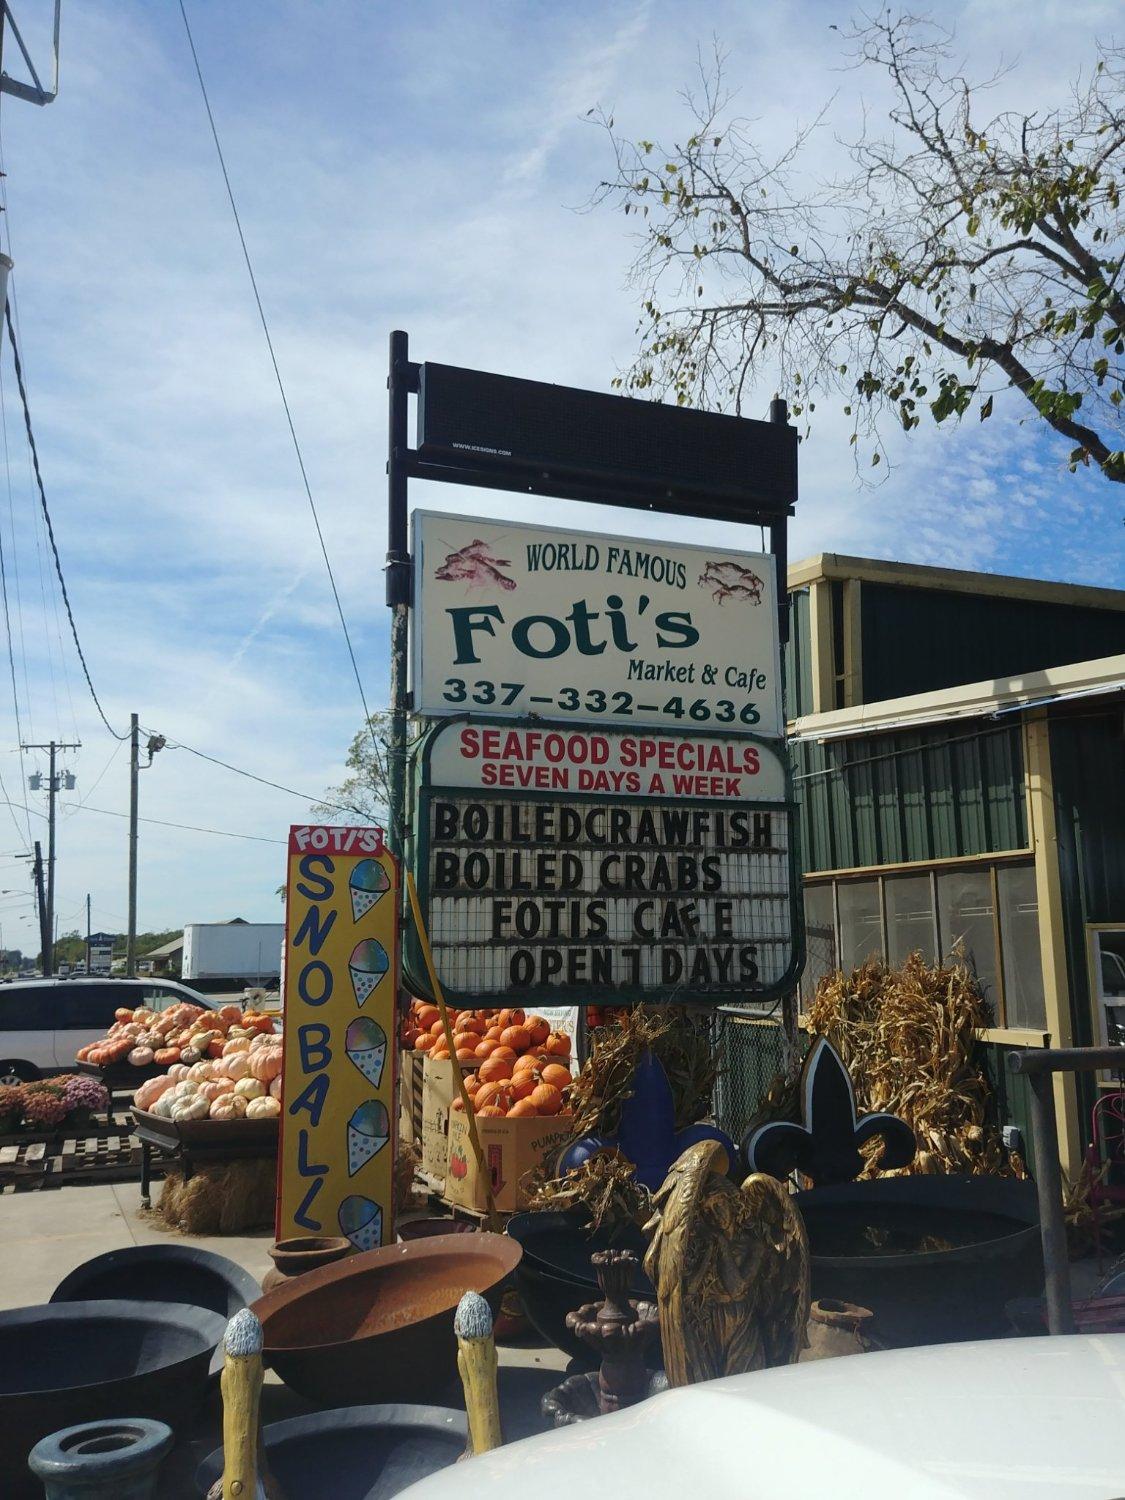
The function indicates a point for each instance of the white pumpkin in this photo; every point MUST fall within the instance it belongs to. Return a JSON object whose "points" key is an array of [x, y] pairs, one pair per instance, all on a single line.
{"points": [[202, 1072], [250, 1088], [263, 1109], [163, 1105], [185, 1088], [193, 1107]]}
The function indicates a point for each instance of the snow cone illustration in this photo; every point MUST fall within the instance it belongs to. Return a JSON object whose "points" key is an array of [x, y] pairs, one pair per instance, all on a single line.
{"points": [[368, 967], [366, 886], [365, 1043], [369, 1130], [361, 1221]]}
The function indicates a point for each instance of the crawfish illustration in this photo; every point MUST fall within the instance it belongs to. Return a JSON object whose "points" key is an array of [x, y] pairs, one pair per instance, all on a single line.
{"points": [[730, 580], [474, 566]]}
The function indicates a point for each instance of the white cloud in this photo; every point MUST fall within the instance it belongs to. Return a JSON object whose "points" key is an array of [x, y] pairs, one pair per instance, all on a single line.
{"points": [[395, 167]]}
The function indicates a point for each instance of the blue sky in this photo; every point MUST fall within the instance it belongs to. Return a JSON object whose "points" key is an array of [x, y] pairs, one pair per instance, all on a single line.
{"points": [[414, 166]]}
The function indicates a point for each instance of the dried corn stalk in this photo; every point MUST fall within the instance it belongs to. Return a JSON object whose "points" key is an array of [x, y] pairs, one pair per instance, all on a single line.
{"points": [[907, 1036], [683, 1046], [604, 1186]]}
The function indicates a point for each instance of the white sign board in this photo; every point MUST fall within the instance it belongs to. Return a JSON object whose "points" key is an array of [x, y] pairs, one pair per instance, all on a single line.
{"points": [[604, 763], [515, 620], [567, 887]]}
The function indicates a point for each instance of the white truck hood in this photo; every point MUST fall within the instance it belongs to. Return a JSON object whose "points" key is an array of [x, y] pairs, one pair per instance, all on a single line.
{"points": [[1008, 1419]]}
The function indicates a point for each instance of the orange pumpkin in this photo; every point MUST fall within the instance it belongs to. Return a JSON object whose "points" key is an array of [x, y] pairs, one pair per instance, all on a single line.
{"points": [[492, 1112], [491, 1093], [505, 1052], [516, 1037], [558, 1044], [166, 1056], [547, 1099], [525, 1064], [424, 1042], [524, 1085], [522, 1109], [484, 1049], [556, 1074], [467, 1055], [495, 1069], [427, 1015], [539, 1030]]}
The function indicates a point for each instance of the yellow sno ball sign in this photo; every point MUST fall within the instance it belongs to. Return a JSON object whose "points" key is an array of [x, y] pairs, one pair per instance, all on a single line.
{"points": [[336, 1163]]}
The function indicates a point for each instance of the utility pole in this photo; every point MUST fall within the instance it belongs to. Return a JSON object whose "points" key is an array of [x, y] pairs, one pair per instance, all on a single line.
{"points": [[54, 783], [155, 743], [42, 902], [134, 768], [87, 932]]}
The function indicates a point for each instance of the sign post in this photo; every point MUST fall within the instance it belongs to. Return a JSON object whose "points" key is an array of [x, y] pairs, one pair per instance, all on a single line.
{"points": [[336, 1159], [604, 809]]}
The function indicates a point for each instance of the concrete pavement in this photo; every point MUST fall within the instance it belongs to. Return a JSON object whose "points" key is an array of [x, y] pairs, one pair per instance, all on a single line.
{"points": [[44, 1235]]}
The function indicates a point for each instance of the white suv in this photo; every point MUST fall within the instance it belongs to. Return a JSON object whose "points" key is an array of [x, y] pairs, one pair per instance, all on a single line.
{"points": [[43, 1022]]}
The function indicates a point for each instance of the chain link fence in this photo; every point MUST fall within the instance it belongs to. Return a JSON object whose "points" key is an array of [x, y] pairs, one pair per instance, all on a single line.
{"points": [[750, 1051]]}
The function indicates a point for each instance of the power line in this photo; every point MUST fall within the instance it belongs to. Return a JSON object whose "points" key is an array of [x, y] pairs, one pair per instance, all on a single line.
{"points": [[276, 368], [15, 692], [50, 528], [264, 781], [222, 833]]}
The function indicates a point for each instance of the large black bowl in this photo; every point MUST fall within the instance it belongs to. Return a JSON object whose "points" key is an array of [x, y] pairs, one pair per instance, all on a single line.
{"points": [[928, 1295], [359, 1452], [562, 1244], [555, 1276], [162, 1273], [70, 1362]]}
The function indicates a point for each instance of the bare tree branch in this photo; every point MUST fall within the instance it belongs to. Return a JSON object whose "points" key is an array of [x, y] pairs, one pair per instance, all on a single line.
{"points": [[954, 258]]}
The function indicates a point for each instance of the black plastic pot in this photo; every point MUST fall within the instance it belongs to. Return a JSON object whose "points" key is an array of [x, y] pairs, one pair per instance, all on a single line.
{"points": [[555, 1276], [162, 1273], [71, 1362], [358, 1452], [930, 1296]]}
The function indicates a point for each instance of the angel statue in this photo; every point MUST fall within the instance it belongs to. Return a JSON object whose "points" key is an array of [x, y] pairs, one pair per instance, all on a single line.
{"points": [[730, 1266]]}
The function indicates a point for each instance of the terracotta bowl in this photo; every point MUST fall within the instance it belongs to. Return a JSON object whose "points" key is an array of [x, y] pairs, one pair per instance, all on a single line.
{"points": [[379, 1326]]}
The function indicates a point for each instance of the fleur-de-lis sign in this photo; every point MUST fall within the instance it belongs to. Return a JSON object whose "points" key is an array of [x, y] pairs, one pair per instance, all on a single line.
{"points": [[825, 1147], [647, 1134]]}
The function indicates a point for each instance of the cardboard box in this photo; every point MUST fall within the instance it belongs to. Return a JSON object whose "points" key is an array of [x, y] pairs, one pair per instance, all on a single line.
{"points": [[410, 1097], [511, 1148], [438, 1089]]}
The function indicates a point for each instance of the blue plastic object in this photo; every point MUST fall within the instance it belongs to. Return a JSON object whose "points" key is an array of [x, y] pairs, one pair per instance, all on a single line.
{"points": [[647, 1135], [115, 1460]]}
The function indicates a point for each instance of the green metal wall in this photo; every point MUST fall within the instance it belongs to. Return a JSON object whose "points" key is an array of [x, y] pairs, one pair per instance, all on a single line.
{"points": [[1088, 772], [938, 793], [798, 657], [916, 640]]}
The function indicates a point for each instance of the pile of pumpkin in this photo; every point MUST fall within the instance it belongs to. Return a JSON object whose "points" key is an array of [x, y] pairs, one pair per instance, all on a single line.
{"points": [[242, 1083], [513, 1064], [184, 1033]]}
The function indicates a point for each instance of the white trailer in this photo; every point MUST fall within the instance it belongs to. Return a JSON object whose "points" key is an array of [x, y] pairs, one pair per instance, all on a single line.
{"points": [[245, 951]]}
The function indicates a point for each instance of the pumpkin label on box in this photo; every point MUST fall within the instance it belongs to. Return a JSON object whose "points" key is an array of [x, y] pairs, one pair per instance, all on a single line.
{"points": [[335, 1164]]}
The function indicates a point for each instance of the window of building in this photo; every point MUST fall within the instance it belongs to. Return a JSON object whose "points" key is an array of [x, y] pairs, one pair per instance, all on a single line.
{"points": [[910, 917], [859, 928], [967, 920], [1019, 943], [985, 913]]}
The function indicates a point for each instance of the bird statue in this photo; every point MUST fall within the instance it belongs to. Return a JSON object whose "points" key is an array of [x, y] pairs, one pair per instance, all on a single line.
{"points": [[730, 1266], [245, 1473]]}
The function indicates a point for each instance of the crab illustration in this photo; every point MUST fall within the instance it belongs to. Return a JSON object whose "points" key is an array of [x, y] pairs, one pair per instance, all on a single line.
{"points": [[730, 580]]}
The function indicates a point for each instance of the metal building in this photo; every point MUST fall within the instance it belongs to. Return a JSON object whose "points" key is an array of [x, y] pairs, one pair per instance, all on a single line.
{"points": [[958, 744]]}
